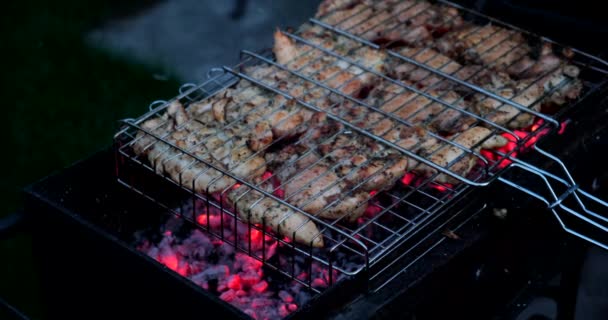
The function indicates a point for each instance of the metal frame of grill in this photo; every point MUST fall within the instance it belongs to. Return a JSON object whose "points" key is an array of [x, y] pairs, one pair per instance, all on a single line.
{"points": [[407, 208]]}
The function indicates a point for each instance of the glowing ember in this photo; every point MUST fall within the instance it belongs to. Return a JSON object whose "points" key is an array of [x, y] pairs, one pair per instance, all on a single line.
{"points": [[408, 178], [529, 135], [441, 187], [562, 127], [235, 277], [170, 261], [267, 175]]}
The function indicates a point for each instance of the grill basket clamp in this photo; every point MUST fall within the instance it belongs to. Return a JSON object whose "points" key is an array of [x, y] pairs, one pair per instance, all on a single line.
{"points": [[585, 203]]}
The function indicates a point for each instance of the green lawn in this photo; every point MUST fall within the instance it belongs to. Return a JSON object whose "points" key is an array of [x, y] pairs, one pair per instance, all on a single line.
{"points": [[62, 100]]}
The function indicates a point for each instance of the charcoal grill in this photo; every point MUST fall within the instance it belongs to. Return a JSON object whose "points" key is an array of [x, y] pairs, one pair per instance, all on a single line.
{"points": [[423, 199], [370, 255]]}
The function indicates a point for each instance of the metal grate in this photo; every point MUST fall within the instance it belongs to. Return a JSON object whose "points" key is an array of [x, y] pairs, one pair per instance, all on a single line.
{"points": [[328, 94]]}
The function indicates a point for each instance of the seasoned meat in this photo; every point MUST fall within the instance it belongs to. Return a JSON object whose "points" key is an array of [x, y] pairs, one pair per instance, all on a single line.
{"points": [[458, 159], [419, 110], [311, 183], [195, 131], [222, 147], [331, 71], [255, 207], [524, 93], [429, 80], [394, 22], [489, 45]]}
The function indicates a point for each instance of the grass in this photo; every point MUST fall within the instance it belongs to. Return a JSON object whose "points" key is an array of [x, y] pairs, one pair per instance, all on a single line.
{"points": [[62, 100]]}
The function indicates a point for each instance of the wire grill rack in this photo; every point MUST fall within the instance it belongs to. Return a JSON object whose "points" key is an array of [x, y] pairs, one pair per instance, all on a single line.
{"points": [[338, 68]]}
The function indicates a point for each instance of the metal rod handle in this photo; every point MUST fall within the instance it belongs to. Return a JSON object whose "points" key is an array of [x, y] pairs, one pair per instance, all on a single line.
{"points": [[566, 200]]}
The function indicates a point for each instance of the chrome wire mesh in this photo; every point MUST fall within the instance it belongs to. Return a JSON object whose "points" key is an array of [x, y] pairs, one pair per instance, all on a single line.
{"points": [[331, 85]]}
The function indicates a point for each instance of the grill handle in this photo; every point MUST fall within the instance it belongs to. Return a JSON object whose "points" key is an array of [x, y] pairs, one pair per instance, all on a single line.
{"points": [[571, 206]]}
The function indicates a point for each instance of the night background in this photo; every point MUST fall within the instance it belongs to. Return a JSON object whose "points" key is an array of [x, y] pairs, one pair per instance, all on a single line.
{"points": [[72, 69]]}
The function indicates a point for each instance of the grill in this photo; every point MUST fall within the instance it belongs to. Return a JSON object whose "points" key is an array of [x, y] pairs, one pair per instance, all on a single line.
{"points": [[396, 218], [396, 224]]}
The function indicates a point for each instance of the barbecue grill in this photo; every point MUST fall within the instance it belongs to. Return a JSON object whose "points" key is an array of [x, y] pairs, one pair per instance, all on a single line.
{"points": [[401, 224]]}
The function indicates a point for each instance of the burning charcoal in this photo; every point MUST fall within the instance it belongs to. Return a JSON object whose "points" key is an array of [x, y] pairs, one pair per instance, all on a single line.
{"points": [[271, 250], [242, 302], [234, 282], [285, 296], [238, 278], [261, 303], [250, 278], [228, 296], [222, 287], [318, 283], [260, 287], [197, 267], [213, 273], [283, 311]]}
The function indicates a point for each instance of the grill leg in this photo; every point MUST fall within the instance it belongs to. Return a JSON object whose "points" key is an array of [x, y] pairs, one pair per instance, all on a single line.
{"points": [[592, 291], [570, 279]]}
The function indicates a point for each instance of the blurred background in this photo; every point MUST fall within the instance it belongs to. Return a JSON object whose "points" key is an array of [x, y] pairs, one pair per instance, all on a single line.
{"points": [[73, 68]]}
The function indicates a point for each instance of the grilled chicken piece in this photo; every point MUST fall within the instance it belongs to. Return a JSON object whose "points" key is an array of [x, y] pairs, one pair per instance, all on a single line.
{"points": [[268, 116], [328, 6], [525, 93], [488, 45], [422, 77], [507, 51], [471, 139], [365, 163], [403, 70], [196, 132], [562, 85], [528, 67], [558, 78], [331, 71], [253, 206], [352, 50], [395, 22], [419, 110], [311, 183], [414, 23]]}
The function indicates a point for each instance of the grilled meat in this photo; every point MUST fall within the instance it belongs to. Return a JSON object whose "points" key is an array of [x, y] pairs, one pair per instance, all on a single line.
{"points": [[489, 45], [424, 78], [253, 206], [524, 93], [310, 182], [419, 110], [331, 71], [363, 161], [391, 22], [330, 171], [458, 159], [196, 132]]}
